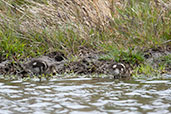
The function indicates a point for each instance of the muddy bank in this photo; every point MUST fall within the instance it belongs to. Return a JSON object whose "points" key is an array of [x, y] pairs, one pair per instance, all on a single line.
{"points": [[159, 56], [56, 63]]}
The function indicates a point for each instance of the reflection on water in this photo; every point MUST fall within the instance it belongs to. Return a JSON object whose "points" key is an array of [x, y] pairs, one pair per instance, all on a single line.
{"points": [[86, 95]]}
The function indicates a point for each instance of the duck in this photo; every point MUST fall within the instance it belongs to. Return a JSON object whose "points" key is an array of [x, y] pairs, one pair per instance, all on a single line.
{"points": [[118, 70], [51, 70], [39, 67]]}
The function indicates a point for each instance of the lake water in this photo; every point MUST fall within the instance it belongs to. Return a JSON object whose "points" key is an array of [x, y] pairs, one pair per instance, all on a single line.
{"points": [[86, 95]]}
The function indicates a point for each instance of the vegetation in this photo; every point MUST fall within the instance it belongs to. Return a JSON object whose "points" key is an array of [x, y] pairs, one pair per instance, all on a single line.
{"points": [[135, 26]]}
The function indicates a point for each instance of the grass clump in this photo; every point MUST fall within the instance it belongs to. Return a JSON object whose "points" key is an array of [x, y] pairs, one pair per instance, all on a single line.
{"points": [[141, 23], [148, 70], [11, 44], [128, 56]]}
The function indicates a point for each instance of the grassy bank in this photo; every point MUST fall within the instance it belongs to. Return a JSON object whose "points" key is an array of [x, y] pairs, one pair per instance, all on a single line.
{"points": [[135, 26]]}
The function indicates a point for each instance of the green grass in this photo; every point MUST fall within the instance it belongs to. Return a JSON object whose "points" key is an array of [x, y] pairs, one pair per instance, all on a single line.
{"points": [[128, 56], [10, 43], [148, 70], [142, 23]]}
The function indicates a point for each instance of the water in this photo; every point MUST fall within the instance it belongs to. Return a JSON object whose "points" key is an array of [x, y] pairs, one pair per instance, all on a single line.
{"points": [[86, 95]]}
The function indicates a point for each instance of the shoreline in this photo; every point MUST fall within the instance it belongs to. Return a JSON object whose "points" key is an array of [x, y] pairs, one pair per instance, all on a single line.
{"points": [[94, 63]]}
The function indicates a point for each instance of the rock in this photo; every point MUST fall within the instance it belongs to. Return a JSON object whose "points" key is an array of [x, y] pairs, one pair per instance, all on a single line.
{"points": [[3, 67], [8, 67]]}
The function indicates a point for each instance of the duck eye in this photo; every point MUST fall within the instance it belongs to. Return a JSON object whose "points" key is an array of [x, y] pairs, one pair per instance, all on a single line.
{"points": [[114, 66], [35, 63]]}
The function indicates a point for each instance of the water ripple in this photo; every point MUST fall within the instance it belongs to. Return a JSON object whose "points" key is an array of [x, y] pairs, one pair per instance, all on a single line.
{"points": [[86, 95]]}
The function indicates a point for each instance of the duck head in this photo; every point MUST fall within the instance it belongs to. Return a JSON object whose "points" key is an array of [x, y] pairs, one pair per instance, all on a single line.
{"points": [[118, 69]]}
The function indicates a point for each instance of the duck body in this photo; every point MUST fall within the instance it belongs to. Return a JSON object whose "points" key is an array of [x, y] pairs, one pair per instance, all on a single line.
{"points": [[39, 66]]}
